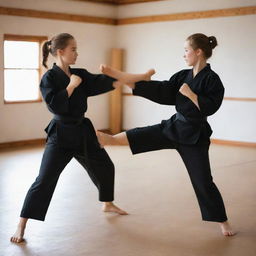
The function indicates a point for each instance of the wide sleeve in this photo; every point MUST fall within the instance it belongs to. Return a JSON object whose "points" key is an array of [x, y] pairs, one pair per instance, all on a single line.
{"points": [[211, 100], [162, 92], [96, 84], [56, 100]]}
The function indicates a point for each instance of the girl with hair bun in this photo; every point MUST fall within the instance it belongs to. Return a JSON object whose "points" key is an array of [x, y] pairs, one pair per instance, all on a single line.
{"points": [[196, 94], [69, 134]]}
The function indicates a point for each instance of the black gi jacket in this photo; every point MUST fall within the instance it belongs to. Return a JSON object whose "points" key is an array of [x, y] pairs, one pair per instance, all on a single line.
{"points": [[53, 88], [193, 124]]}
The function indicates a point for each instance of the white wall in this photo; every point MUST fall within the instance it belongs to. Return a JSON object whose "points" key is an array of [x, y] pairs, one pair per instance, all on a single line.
{"points": [[27, 121], [160, 45]]}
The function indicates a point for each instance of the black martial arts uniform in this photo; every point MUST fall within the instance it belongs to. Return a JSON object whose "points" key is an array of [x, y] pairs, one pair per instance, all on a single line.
{"points": [[187, 131], [69, 134]]}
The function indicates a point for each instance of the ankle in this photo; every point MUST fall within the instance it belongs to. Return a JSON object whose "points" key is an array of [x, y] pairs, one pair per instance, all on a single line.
{"points": [[107, 203]]}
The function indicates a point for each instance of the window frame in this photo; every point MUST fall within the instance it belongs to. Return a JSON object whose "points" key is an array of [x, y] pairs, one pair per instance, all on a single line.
{"points": [[38, 39]]}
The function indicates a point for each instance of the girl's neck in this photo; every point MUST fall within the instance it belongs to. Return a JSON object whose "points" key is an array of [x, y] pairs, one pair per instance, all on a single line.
{"points": [[198, 67], [63, 66]]}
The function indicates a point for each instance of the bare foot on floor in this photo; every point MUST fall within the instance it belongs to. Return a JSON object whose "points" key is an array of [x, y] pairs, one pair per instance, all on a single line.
{"points": [[226, 229], [18, 236], [110, 207], [104, 139]]}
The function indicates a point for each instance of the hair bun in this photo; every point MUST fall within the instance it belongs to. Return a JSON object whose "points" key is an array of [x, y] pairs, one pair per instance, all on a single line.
{"points": [[212, 41]]}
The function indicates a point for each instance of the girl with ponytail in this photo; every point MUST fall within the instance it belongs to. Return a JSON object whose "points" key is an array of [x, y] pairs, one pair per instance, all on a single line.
{"points": [[69, 134]]}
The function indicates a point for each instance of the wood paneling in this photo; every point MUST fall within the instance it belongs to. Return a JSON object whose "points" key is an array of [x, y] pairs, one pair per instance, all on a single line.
{"points": [[56, 16], [190, 15], [135, 20], [119, 2]]}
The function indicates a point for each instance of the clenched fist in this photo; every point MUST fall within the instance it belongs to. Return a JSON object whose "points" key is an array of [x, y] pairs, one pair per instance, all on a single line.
{"points": [[186, 91], [75, 80]]}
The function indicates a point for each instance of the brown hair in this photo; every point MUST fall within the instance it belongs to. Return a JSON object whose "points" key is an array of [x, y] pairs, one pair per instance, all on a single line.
{"points": [[203, 42], [59, 41]]}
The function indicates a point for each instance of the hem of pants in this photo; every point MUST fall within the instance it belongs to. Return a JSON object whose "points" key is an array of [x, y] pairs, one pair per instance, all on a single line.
{"points": [[215, 220], [133, 148], [31, 217], [106, 200]]}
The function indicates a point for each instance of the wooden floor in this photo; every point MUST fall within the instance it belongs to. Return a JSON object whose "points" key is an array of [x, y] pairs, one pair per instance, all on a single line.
{"points": [[153, 187]]}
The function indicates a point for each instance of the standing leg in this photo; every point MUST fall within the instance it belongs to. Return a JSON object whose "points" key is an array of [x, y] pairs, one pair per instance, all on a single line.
{"points": [[40, 193], [196, 160], [100, 168]]}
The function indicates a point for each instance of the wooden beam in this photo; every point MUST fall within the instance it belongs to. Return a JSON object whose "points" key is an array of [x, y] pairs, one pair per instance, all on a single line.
{"points": [[115, 113], [56, 16], [234, 143], [135, 20], [119, 2], [190, 15]]}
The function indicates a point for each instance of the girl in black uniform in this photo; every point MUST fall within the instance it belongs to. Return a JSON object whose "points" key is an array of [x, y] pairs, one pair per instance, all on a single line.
{"points": [[196, 94], [69, 134]]}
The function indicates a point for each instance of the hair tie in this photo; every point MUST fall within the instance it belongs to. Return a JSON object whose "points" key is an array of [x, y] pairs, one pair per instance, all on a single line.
{"points": [[210, 40]]}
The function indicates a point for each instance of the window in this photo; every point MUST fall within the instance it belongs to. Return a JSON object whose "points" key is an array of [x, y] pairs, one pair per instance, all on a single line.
{"points": [[22, 68]]}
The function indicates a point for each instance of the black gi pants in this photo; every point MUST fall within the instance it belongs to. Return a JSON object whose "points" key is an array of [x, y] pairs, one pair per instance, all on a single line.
{"points": [[196, 160], [91, 156]]}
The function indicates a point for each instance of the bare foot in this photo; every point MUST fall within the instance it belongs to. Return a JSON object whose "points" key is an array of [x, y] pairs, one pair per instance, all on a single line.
{"points": [[105, 69], [149, 73], [110, 207], [226, 229], [104, 139], [18, 236]]}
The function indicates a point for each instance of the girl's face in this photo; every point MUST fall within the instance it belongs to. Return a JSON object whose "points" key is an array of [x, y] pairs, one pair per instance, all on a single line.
{"points": [[69, 54], [191, 56]]}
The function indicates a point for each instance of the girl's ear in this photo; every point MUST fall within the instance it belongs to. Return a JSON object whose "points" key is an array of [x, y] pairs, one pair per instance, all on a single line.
{"points": [[199, 52], [59, 52]]}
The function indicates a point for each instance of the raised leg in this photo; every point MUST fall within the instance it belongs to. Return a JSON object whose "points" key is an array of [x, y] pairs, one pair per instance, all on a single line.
{"points": [[124, 77], [117, 139]]}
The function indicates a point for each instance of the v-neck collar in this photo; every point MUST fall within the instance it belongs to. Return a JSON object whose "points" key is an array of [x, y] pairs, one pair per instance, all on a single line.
{"points": [[206, 68], [59, 70]]}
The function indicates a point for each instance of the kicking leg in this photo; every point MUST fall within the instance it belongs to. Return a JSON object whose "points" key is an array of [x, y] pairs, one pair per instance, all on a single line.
{"points": [[124, 77], [118, 139]]}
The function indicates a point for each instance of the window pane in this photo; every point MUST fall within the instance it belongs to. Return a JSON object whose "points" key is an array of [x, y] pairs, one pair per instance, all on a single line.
{"points": [[21, 85], [21, 54]]}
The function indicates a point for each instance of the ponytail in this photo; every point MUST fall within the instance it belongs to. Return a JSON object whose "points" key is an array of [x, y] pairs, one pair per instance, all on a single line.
{"points": [[46, 51]]}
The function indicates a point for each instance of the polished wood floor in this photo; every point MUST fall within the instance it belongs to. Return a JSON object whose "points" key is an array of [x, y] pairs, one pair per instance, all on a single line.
{"points": [[153, 187]]}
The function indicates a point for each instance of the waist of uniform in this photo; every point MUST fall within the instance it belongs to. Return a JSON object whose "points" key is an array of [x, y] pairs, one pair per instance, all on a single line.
{"points": [[182, 118], [69, 119]]}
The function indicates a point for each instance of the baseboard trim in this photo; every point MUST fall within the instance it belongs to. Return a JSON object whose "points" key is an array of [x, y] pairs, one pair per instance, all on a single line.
{"points": [[40, 142], [234, 143], [21, 143], [33, 142]]}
